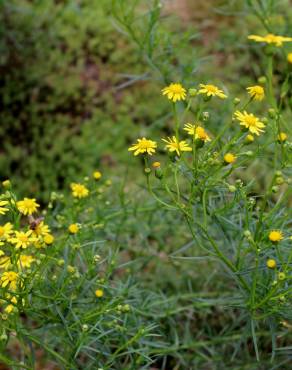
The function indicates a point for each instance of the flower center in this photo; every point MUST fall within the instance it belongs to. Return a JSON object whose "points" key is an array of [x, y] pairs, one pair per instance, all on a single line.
{"points": [[23, 238], [211, 88], [1, 231], [250, 120]]}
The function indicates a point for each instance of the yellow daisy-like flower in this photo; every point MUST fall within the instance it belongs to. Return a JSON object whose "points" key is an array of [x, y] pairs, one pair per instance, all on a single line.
{"points": [[5, 231], [40, 230], [97, 175], [10, 308], [250, 121], [3, 209], [282, 137], [173, 145], [79, 190], [289, 58], [211, 90], [143, 146], [271, 263], [174, 92], [99, 293], [27, 206], [270, 39], [23, 239], [256, 92], [229, 158], [73, 228], [275, 236], [197, 131], [9, 279], [25, 261]]}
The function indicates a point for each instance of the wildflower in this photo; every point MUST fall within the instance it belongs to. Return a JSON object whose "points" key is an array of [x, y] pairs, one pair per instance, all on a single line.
{"points": [[289, 58], [251, 122], [73, 228], [197, 131], [282, 137], [25, 261], [275, 236], [9, 279], [229, 158], [99, 293], [143, 146], [174, 92], [27, 206], [79, 190], [6, 184], [271, 263], [270, 39], [97, 175], [23, 239], [173, 145], [49, 239], [5, 231], [256, 92], [3, 209], [41, 229], [211, 90]]}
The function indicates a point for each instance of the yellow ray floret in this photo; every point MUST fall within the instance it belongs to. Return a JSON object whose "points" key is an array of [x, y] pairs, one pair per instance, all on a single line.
{"points": [[270, 39], [143, 146], [211, 90], [3, 209], [250, 121], [173, 145], [174, 92]]}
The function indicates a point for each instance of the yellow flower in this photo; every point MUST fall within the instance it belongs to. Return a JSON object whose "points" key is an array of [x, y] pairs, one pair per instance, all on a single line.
{"points": [[27, 206], [49, 239], [73, 228], [270, 39], [211, 90], [3, 209], [173, 145], [275, 236], [41, 229], [143, 146], [23, 239], [282, 137], [97, 175], [156, 164], [174, 92], [229, 158], [256, 92], [198, 131], [251, 122], [271, 263], [79, 190], [9, 279], [25, 261], [99, 293], [289, 58], [5, 231]]}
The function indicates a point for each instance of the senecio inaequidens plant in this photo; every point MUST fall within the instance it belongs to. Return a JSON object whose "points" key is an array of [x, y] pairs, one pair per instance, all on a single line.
{"points": [[247, 232]]}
